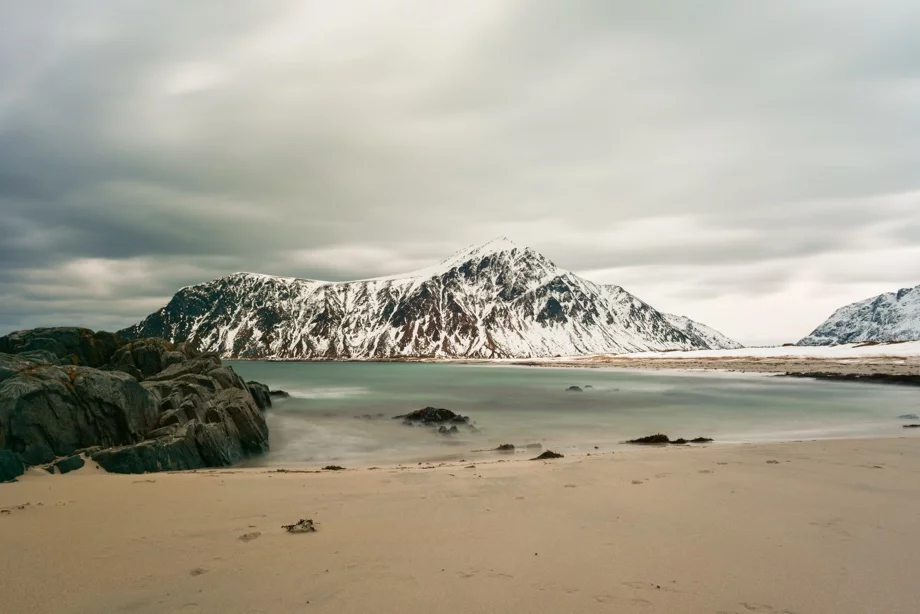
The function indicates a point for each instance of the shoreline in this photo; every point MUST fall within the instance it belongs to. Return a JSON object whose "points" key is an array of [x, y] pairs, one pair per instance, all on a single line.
{"points": [[881, 365], [802, 526]]}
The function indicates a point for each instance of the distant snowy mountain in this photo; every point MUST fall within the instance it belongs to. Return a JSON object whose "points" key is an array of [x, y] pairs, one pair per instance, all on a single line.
{"points": [[496, 300], [710, 336], [894, 316]]}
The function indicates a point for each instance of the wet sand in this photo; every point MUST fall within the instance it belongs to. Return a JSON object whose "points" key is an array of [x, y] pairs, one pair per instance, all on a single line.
{"points": [[829, 526], [889, 365]]}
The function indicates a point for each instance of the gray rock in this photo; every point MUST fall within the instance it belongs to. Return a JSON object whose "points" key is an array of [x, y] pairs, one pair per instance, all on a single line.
{"points": [[260, 394], [192, 446], [70, 345], [909, 417], [198, 366], [71, 463], [53, 411], [249, 421], [11, 466], [227, 378]]}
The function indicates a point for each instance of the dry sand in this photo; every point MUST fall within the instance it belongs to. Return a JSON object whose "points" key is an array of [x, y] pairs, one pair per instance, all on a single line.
{"points": [[829, 526]]}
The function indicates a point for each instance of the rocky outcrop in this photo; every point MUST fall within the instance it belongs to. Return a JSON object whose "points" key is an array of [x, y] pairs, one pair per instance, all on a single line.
{"points": [[659, 439], [70, 345], [260, 394], [146, 357], [548, 455], [153, 407], [433, 416], [49, 411], [11, 466]]}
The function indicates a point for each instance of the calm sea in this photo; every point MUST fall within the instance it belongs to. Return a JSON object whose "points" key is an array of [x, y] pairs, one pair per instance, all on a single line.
{"points": [[341, 412]]}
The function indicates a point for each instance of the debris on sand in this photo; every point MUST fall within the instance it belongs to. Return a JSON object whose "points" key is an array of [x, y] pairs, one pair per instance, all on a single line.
{"points": [[304, 525], [548, 455], [333, 468]]}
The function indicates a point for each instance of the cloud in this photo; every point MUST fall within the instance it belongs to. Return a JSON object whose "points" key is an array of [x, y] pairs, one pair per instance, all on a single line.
{"points": [[706, 154]]}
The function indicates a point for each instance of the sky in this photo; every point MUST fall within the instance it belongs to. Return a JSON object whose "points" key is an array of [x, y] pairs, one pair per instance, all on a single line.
{"points": [[752, 165]]}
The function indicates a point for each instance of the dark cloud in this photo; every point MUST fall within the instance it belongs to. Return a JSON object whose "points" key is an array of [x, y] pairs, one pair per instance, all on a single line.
{"points": [[704, 154]]}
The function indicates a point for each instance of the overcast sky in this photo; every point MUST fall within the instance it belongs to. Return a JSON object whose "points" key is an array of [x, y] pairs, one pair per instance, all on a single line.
{"points": [[753, 165]]}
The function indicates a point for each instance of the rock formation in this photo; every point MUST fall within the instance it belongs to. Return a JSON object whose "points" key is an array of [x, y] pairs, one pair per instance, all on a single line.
{"points": [[147, 405]]}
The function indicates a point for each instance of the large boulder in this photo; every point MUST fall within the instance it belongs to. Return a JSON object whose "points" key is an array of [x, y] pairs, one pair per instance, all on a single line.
{"points": [[260, 394], [202, 365], [50, 411], [191, 446], [153, 406], [11, 466], [70, 345], [146, 357], [432, 416]]}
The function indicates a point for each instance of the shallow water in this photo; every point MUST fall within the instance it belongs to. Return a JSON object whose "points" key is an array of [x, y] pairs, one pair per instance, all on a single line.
{"points": [[322, 421]]}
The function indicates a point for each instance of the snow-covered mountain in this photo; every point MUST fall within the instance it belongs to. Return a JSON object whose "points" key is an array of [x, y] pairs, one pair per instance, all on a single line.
{"points": [[496, 300], [894, 316], [713, 338]]}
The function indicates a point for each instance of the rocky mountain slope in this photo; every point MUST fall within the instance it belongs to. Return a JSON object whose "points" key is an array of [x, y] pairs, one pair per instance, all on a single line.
{"points": [[894, 316], [496, 300], [713, 338]]}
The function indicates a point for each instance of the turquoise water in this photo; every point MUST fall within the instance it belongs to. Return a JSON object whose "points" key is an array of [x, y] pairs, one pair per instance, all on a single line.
{"points": [[321, 421]]}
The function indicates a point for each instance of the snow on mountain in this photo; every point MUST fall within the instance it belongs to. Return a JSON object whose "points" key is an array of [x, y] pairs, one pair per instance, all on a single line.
{"points": [[712, 338], [894, 316], [496, 300]]}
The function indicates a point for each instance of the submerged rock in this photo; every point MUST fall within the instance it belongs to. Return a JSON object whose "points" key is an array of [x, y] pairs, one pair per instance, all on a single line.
{"points": [[549, 454], [278, 394], [912, 426], [573, 389], [909, 417], [432, 416], [505, 447]]}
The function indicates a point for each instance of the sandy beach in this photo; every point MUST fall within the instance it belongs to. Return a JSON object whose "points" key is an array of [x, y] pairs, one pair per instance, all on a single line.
{"points": [[828, 526], [895, 359]]}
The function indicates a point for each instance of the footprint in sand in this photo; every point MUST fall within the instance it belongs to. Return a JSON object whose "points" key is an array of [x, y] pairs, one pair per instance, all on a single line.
{"points": [[248, 537], [637, 482], [571, 486], [772, 462], [705, 471], [198, 571]]}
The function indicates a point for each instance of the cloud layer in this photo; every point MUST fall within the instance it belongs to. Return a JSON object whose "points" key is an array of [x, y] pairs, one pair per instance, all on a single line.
{"points": [[751, 165]]}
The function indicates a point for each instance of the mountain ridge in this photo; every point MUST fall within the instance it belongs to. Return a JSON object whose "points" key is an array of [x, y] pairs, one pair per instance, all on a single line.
{"points": [[891, 316], [493, 300]]}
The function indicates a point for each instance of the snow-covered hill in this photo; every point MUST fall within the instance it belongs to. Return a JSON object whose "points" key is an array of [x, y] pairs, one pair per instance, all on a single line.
{"points": [[894, 316], [713, 338], [496, 300]]}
